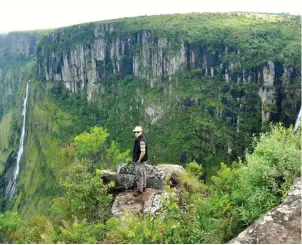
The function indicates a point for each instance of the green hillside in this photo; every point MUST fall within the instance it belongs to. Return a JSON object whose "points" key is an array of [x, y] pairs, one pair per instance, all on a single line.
{"points": [[201, 86]]}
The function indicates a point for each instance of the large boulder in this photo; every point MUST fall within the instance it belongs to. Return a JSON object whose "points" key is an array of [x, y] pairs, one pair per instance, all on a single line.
{"points": [[156, 175], [280, 225], [124, 177], [172, 173], [149, 202], [122, 181]]}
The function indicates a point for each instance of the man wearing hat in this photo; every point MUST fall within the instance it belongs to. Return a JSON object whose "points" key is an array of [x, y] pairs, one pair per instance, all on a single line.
{"points": [[140, 158]]}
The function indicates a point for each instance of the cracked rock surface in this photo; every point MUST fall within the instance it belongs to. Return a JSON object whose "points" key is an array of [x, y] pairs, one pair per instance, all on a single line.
{"points": [[148, 202]]}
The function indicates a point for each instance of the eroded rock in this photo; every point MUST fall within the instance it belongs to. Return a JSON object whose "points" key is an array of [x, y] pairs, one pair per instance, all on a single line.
{"points": [[280, 225], [172, 172], [148, 202], [151, 200], [157, 176], [122, 181]]}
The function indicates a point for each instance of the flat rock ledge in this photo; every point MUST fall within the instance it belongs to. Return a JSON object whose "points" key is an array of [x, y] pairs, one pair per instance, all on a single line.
{"points": [[280, 225], [149, 202]]}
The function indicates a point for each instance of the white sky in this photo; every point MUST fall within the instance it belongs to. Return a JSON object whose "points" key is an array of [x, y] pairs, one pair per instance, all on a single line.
{"points": [[45, 14]]}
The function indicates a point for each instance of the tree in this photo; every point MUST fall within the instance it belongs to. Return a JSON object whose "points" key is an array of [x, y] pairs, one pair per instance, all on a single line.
{"points": [[91, 145]]}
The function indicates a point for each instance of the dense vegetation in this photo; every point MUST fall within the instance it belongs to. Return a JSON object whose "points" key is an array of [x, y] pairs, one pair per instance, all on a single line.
{"points": [[260, 37], [200, 123], [201, 214]]}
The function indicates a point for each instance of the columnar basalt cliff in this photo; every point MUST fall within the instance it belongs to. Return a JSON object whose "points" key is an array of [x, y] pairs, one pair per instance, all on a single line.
{"points": [[18, 44], [15, 49], [157, 59]]}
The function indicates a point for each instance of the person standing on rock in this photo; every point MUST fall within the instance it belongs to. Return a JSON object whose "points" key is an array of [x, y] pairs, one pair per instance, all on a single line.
{"points": [[140, 158]]}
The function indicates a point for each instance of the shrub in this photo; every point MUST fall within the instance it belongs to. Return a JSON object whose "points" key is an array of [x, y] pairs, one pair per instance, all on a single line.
{"points": [[32, 232], [89, 144], [85, 194], [10, 222], [194, 168], [79, 232], [190, 179]]}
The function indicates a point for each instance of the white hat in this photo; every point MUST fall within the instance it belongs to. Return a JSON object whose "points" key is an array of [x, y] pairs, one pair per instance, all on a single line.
{"points": [[138, 129]]}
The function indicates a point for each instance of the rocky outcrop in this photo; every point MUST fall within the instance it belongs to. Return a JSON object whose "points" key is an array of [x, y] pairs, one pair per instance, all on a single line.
{"points": [[267, 90], [172, 173], [280, 225], [122, 181], [157, 176], [149, 202]]}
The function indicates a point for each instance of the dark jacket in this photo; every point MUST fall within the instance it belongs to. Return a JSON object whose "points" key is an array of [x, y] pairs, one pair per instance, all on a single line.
{"points": [[137, 151]]}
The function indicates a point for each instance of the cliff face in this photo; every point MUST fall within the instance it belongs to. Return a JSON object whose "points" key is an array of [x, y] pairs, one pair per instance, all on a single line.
{"points": [[15, 50], [198, 93], [18, 43], [85, 66]]}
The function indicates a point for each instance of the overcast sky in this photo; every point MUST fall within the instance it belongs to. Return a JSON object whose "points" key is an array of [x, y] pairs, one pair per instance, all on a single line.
{"points": [[45, 14]]}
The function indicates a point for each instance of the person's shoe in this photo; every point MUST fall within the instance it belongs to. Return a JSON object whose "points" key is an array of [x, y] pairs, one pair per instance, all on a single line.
{"points": [[137, 193]]}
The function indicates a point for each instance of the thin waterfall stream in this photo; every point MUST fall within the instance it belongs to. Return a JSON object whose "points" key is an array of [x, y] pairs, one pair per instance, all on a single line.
{"points": [[12, 184]]}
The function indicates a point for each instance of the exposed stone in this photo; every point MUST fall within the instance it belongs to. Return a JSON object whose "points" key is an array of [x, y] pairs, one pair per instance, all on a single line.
{"points": [[143, 54], [154, 112], [149, 202], [280, 225], [124, 178], [127, 169], [153, 201], [267, 91], [122, 181], [18, 43], [172, 172], [157, 175]]}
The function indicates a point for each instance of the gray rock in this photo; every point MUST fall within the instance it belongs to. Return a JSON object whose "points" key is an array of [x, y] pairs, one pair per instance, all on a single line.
{"points": [[154, 203], [155, 176], [149, 202], [172, 173], [127, 169], [122, 181], [280, 225]]}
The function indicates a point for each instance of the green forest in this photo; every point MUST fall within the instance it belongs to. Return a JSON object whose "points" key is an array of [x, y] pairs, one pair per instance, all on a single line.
{"points": [[214, 213], [226, 114]]}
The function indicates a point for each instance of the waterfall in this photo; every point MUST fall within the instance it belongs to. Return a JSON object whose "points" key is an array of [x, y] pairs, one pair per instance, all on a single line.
{"points": [[12, 184], [299, 118]]}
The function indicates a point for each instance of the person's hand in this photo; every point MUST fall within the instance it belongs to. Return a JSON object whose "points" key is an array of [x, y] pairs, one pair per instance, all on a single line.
{"points": [[138, 161]]}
